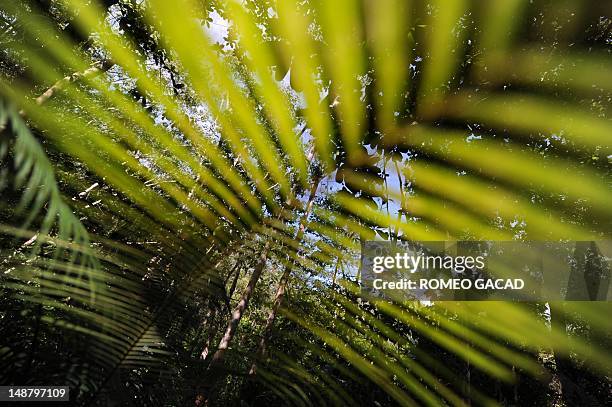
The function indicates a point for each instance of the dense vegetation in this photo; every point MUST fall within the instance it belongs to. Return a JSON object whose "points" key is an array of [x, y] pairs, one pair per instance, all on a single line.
{"points": [[185, 186]]}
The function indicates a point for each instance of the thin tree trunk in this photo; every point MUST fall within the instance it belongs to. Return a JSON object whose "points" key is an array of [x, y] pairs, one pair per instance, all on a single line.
{"points": [[230, 331], [562, 365], [335, 272], [213, 372], [210, 320], [468, 378], [402, 209], [227, 277], [390, 231], [196, 342], [212, 332], [282, 284], [515, 387], [230, 293]]}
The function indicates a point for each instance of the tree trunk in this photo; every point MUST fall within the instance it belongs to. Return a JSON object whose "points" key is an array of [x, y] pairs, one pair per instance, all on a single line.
{"points": [[282, 284], [563, 367], [213, 372], [240, 308], [210, 334], [230, 293], [335, 272]]}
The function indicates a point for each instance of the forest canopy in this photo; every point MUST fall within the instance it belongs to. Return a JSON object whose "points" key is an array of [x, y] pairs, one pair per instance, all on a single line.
{"points": [[186, 186]]}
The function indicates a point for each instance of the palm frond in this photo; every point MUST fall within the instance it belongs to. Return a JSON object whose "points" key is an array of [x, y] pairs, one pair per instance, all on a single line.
{"points": [[187, 161]]}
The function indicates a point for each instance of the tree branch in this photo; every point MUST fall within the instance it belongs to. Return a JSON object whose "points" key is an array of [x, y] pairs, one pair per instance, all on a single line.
{"points": [[96, 69]]}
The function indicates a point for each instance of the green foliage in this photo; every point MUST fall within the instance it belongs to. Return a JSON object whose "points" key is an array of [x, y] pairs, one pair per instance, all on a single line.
{"points": [[157, 164], [34, 174]]}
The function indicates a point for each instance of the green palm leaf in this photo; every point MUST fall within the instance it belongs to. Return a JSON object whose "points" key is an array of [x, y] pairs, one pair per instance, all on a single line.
{"points": [[160, 168]]}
